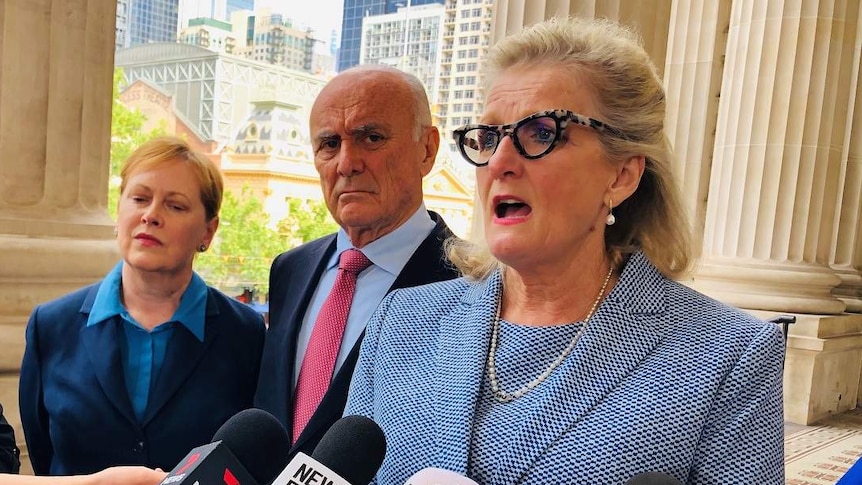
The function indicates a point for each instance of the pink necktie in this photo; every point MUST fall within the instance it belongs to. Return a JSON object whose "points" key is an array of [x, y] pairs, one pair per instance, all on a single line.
{"points": [[319, 361]]}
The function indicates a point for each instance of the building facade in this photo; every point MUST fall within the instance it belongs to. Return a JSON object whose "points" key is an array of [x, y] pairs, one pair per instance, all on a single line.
{"points": [[213, 91], [408, 40], [351, 25], [209, 33], [270, 37], [146, 21], [466, 39]]}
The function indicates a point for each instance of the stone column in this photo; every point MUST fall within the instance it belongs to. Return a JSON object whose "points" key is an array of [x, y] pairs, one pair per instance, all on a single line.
{"points": [[696, 41], [651, 17], [56, 64], [777, 167], [847, 247]]}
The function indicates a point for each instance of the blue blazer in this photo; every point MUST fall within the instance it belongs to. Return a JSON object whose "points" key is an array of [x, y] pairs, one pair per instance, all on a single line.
{"points": [[663, 379], [293, 279], [76, 411]]}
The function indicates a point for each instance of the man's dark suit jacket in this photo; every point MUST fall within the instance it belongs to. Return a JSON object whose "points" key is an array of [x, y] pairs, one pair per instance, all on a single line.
{"points": [[293, 279], [8, 451], [77, 414]]}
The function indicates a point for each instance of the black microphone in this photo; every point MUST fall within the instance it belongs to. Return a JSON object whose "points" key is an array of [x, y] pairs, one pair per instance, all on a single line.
{"points": [[653, 478], [350, 453], [250, 448]]}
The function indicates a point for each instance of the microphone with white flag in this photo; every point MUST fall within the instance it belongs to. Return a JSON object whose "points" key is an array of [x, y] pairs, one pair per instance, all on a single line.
{"points": [[350, 453]]}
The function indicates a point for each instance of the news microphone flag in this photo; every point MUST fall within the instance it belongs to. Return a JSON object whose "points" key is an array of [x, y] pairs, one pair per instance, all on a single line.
{"points": [[210, 464], [304, 469]]}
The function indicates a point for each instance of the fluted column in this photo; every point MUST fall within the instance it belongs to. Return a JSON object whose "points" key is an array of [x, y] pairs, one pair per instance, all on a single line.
{"points": [[777, 157], [847, 248], [56, 64], [651, 17], [696, 41]]}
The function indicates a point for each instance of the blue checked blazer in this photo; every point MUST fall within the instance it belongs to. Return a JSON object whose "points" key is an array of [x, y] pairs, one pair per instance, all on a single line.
{"points": [[663, 379]]}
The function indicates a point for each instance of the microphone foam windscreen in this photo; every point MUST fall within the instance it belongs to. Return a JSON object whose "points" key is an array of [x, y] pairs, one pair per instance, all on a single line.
{"points": [[258, 440], [353, 448]]}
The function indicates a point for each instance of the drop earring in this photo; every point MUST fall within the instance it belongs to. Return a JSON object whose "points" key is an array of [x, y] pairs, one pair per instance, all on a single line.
{"points": [[610, 220]]}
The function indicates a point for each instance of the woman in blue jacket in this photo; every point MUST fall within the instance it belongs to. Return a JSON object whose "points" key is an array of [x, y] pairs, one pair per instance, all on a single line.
{"points": [[147, 364]]}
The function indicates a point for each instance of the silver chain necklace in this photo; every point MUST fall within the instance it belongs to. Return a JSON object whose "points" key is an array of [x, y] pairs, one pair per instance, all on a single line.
{"points": [[503, 396]]}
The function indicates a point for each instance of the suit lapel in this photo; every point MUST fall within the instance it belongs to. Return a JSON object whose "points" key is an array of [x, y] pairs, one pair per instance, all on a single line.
{"points": [[182, 357], [460, 370], [620, 335], [103, 347]]}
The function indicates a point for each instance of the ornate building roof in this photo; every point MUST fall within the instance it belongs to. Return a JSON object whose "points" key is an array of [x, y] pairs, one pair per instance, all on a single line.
{"points": [[274, 128]]}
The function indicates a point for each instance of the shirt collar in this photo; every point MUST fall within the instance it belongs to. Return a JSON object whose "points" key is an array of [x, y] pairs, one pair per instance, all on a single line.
{"points": [[392, 251], [190, 314]]}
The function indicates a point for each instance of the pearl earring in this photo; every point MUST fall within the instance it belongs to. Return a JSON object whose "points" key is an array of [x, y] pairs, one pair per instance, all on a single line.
{"points": [[610, 220], [202, 247]]}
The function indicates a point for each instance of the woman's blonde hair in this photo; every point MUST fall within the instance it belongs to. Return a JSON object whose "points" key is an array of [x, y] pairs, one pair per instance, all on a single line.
{"points": [[629, 97], [170, 149]]}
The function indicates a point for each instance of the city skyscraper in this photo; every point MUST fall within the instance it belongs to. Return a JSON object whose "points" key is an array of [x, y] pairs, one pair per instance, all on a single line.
{"points": [[148, 21], [351, 24]]}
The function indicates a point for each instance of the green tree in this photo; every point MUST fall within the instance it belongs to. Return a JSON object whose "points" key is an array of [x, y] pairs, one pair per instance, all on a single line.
{"points": [[244, 246], [306, 221], [126, 135]]}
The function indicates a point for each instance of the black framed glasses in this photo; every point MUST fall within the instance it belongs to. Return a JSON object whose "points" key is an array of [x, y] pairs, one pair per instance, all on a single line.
{"points": [[534, 136]]}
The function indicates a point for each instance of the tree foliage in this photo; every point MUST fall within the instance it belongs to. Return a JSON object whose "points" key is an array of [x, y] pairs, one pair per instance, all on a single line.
{"points": [[306, 221], [244, 246]]}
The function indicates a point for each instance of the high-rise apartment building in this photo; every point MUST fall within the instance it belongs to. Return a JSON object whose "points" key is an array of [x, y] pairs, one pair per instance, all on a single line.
{"points": [[271, 37], [466, 39], [351, 24], [209, 33], [409, 40]]}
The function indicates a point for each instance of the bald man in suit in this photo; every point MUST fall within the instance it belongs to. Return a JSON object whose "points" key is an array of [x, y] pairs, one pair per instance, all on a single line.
{"points": [[373, 144]]}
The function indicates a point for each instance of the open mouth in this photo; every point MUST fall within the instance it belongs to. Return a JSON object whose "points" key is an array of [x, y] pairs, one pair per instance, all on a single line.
{"points": [[511, 208]]}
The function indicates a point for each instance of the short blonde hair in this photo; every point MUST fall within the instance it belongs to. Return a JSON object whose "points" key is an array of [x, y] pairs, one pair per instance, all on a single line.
{"points": [[629, 96], [170, 149]]}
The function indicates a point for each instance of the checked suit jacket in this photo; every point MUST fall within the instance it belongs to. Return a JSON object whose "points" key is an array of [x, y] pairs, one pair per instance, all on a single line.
{"points": [[293, 279], [663, 379]]}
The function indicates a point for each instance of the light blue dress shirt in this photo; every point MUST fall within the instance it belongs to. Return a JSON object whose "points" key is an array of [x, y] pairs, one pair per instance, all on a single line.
{"points": [[388, 256], [143, 352]]}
